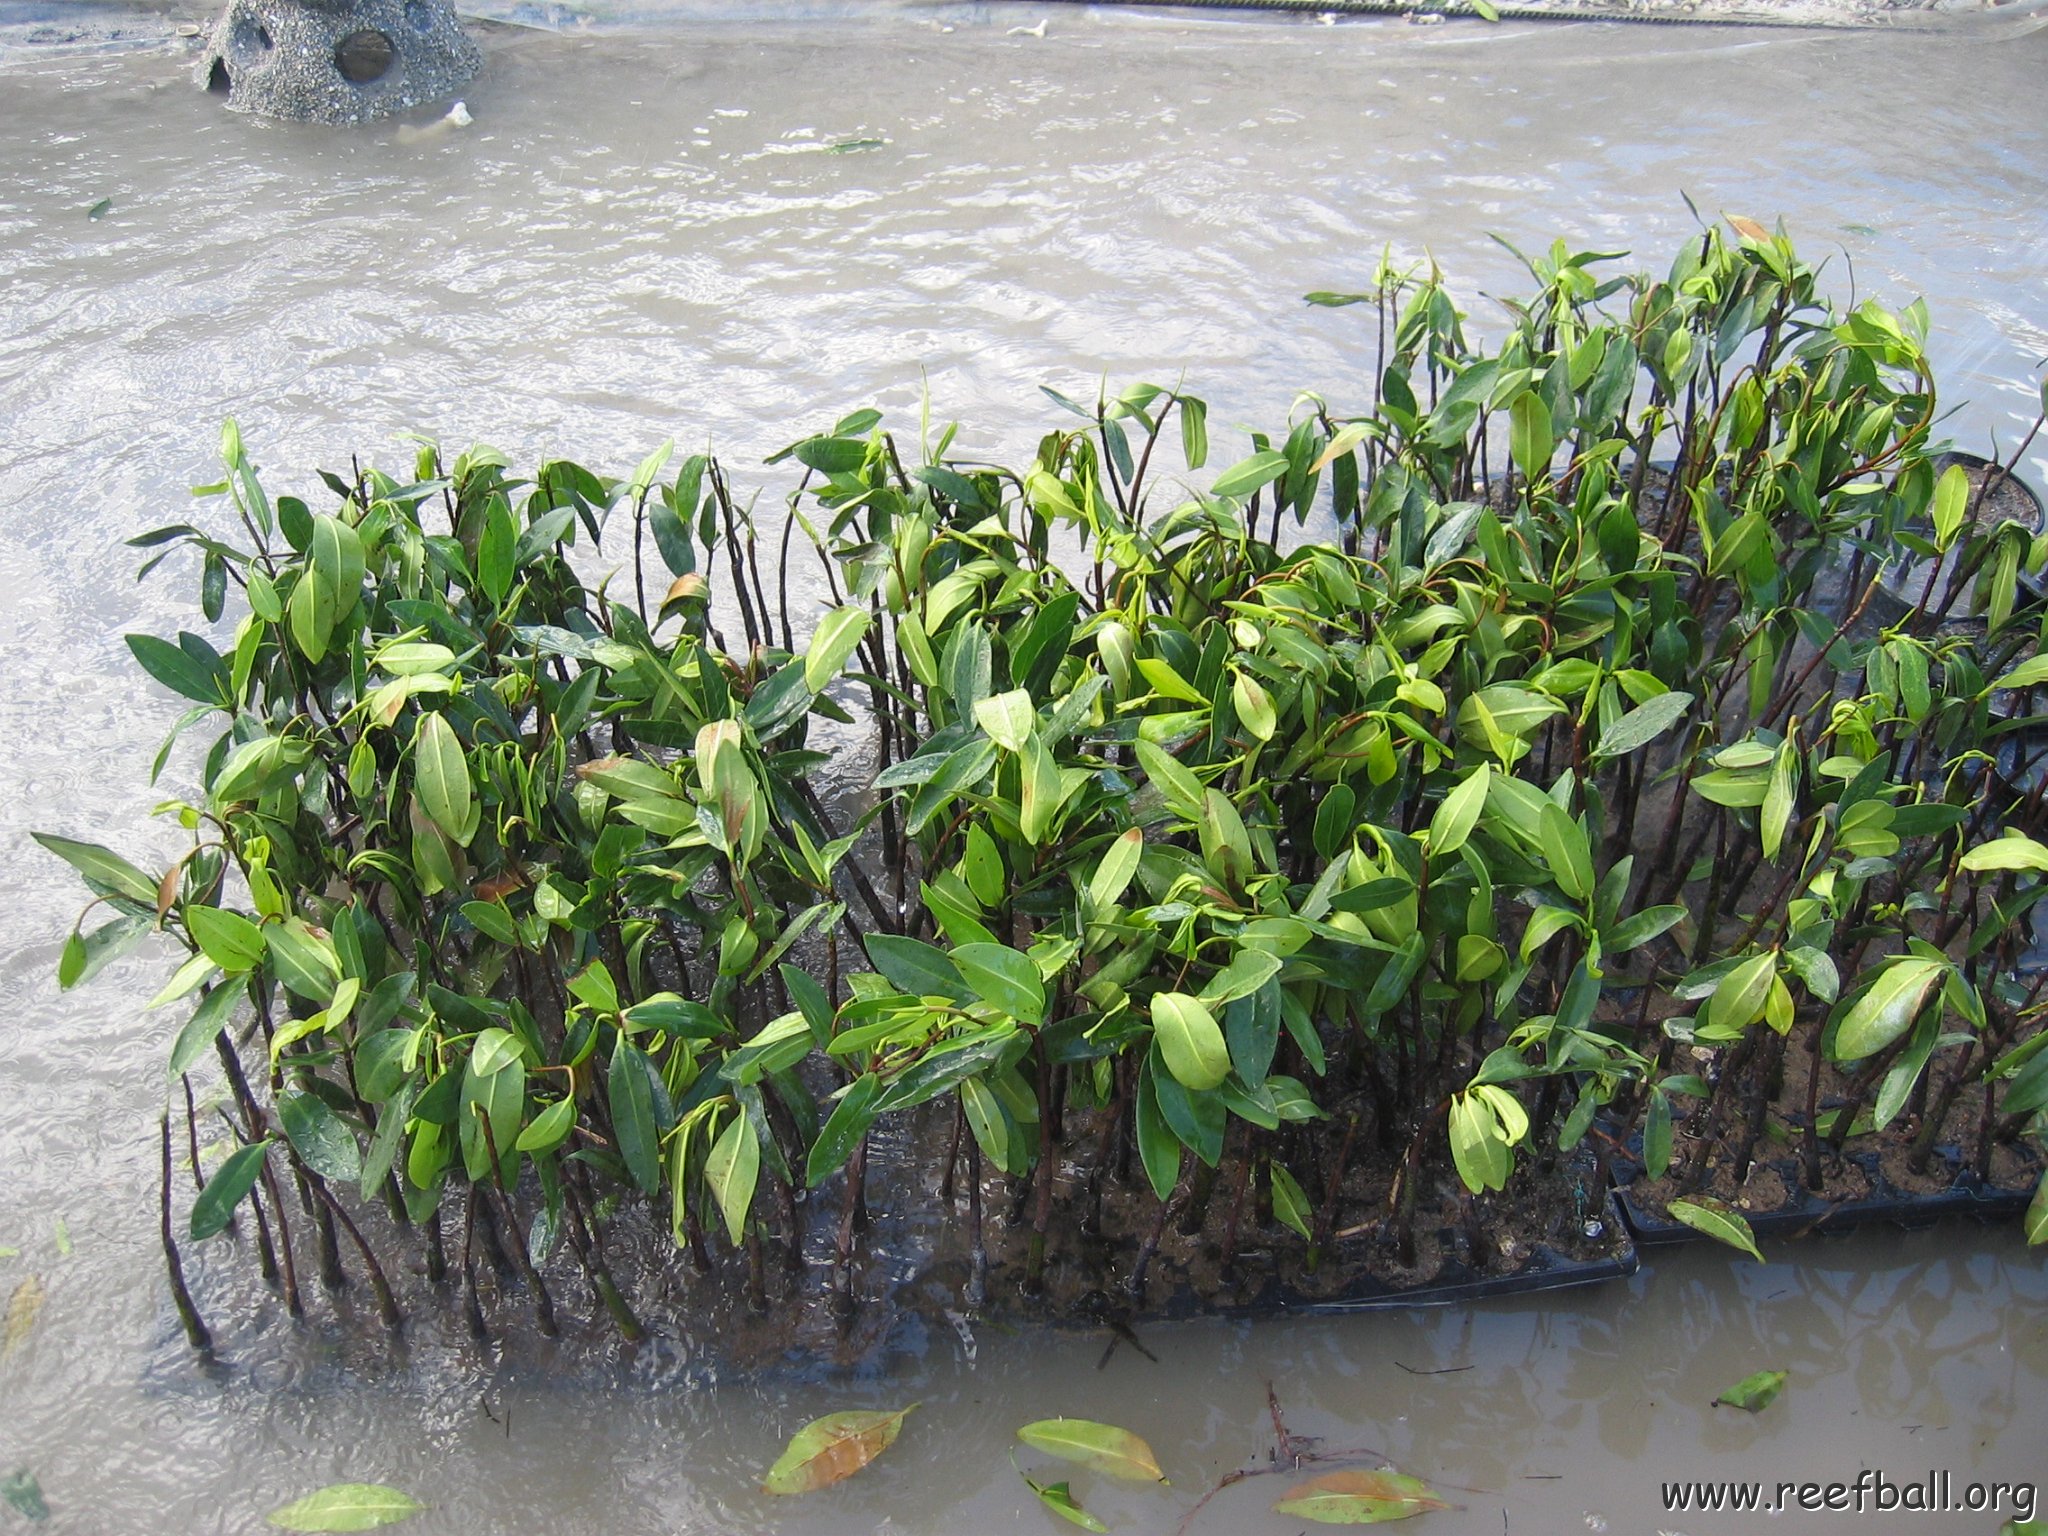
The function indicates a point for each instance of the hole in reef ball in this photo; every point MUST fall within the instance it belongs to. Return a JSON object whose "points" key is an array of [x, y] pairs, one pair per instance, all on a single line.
{"points": [[419, 15], [364, 57], [217, 78], [250, 36]]}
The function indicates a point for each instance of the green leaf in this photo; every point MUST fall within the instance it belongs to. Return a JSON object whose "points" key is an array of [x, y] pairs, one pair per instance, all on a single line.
{"points": [[632, 1101], [441, 775], [1479, 1147], [24, 1495], [1060, 1500], [1643, 725], [2030, 673], [1254, 706], [179, 670], [1779, 798], [1565, 851], [1530, 437], [1001, 976], [843, 1129], [1247, 475], [915, 967], [101, 867], [1099, 1447], [224, 1191], [1114, 873], [2036, 1221], [317, 1134], [228, 939], [1738, 998], [207, 1021], [1459, 813], [347, 1507], [1716, 1220], [1182, 789], [1888, 1009], [829, 1450], [1190, 1040], [549, 1129], [1290, 1202], [831, 643], [731, 1170], [1755, 1393], [1360, 1498], [1008, 718], [2012, 851], [1639, 928]]}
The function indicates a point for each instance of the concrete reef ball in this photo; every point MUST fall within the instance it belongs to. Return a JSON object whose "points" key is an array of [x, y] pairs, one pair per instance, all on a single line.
{"points": [[336, 61]]}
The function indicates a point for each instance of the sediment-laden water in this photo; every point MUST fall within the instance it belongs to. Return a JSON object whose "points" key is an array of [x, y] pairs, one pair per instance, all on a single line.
{"points": [[714, 225]]}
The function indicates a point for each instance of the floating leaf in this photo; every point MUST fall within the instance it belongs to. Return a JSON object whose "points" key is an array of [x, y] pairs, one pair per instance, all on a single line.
{"points": [[23, 1307], [829, 1450], [1755, 1393], [100, 209], [1360, 1498], [25, 1494], [347, 1507], [1717, 1221], [1099, 1447], [1060, 1500]]}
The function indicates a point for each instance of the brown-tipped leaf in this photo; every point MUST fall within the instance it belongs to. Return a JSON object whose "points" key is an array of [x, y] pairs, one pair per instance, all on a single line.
{"points": [[1360, 1498], [829, 1450], [1100, 1447]]}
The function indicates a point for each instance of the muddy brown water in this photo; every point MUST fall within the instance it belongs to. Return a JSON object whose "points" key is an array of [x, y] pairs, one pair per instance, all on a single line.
{"points": [[644, 234]]}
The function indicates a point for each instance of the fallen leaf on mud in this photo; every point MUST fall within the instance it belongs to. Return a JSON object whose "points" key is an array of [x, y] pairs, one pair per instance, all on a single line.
{"points": [[828, 1450], [1754, 1393], [1360, 1498]]}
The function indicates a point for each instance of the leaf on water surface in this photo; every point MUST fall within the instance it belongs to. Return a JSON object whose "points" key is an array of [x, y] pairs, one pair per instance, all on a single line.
{"points": [[100, 209], [347, 1507], [1360, 1498], [22, 1310], [1058, 1498], [1755, 1393], [849, 146], [63, 1235], [829, 1450], [1099, 1447], [21, 1490], [1716, 1221]]}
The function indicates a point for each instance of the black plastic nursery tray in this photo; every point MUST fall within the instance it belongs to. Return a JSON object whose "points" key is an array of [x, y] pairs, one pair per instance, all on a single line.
{"points": [[1804, 1212], [1456, 1283]]}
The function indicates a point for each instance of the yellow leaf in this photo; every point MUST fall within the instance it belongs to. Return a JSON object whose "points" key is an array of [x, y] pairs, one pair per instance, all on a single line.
{"points": [[829, 1450], [22, 1309]]}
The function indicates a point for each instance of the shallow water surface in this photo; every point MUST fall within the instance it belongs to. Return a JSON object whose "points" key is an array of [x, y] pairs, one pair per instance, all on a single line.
{"points": [[646, 234]]}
